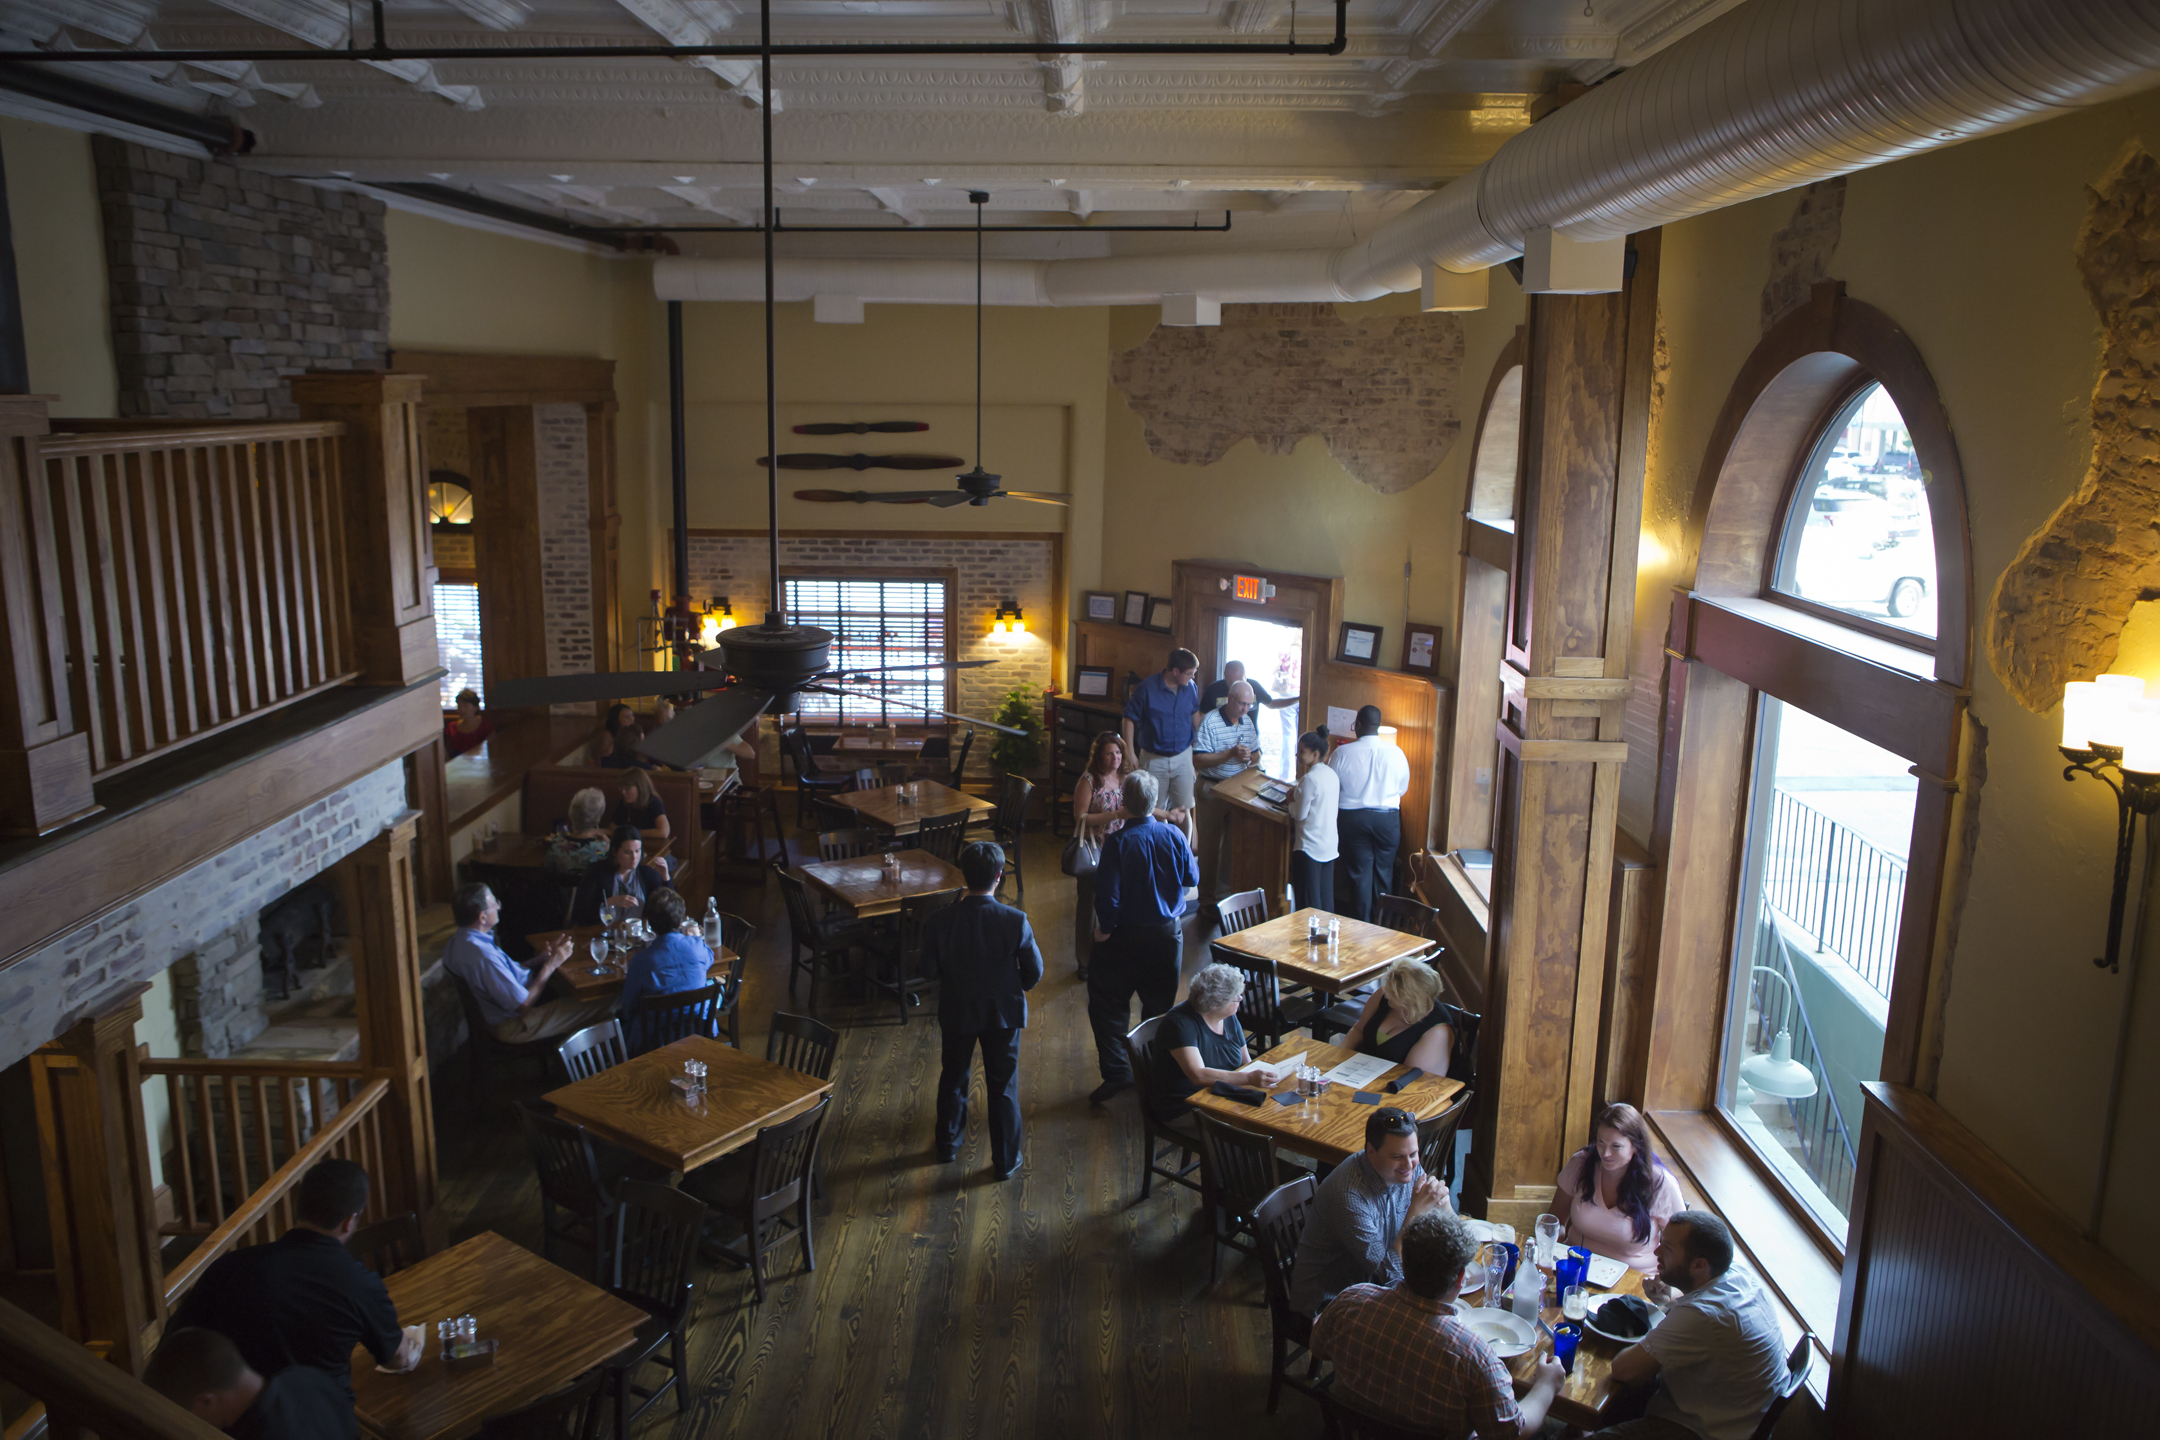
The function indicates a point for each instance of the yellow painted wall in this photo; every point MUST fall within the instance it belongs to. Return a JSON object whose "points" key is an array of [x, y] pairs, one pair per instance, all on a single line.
{"points": [[60, 266], [1301, 512], [1971, 251]]}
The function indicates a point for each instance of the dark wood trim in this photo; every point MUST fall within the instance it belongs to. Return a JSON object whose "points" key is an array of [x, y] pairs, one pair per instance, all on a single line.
{"points": [[1199, 605], [466, 379], [788, 533], [1481, 602], [1488, 544]]}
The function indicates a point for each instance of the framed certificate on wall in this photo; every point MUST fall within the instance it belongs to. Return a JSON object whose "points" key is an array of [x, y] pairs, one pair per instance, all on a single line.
{"points": [[1358, 644]]}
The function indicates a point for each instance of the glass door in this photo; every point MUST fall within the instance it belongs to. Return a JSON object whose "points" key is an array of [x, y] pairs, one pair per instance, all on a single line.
{"points": [[1273, 653]]}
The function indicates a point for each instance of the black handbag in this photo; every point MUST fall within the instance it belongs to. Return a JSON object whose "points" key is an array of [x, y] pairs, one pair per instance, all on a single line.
{"points": [[1080, 856]]}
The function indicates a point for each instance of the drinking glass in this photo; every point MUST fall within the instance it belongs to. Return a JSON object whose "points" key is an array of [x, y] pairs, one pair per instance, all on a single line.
{"points": [[1575, 1301], [1565, 1338], [1334, 934], [1496, 1260], [1548, 1239], [1571, 1265]]}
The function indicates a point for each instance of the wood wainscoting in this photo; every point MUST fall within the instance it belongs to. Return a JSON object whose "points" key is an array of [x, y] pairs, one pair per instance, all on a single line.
{"points": [[1973, 1307]]}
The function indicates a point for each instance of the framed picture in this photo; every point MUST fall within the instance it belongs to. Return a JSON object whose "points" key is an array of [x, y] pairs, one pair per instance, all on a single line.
{"points": [[1136, 608], [1101, 605], [1358, 644], [1158, 613], [1421, 650], [1092, 682]]}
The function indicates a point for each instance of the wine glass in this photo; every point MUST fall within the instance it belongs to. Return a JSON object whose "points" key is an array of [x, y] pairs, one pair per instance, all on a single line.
{"points": [[597, 947], [1548, 1238]]}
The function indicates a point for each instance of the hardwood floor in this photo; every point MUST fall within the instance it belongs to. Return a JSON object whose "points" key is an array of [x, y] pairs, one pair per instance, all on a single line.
{"points": [[945, 1304]]}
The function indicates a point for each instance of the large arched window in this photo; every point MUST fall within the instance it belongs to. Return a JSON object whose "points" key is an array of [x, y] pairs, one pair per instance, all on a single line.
{"points": [[1806, 793]]}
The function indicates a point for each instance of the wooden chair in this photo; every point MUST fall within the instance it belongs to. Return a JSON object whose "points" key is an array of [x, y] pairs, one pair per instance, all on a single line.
{"points": [[941, 837], [1436, 1138], [1278, 1223], [652, 1245], [770, 1203], [851, 844], [490, 1055], [1411, 917], [867, 777], [1241, 911], [802, 1044], [1265, 1013], [907, 981], [1154, 1133], [940, 748], [810, 780], [1344, 1422], [388, 1246], [825, 815], [569, 1181], [1008, 824], [736, 935], [960, 759], [814, 940], [1238, 1170], [1796, 1365], [592, 1050], [893, 772], [664, 1019], [747, 808], [572, 1413]]}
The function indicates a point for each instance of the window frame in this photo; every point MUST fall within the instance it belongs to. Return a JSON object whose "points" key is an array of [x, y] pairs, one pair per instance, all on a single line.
{"points": [[944, 577]]}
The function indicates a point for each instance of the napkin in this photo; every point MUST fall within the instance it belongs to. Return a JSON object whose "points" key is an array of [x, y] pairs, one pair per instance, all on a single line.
{"points": [[1288, 1097], [1367, 1097], [412, 1332], [1243, 1094], [1394, 1087]]}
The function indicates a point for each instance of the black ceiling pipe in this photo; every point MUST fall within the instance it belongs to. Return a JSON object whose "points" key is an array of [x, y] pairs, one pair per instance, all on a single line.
{"points": [[215, 133], [454, 199]]}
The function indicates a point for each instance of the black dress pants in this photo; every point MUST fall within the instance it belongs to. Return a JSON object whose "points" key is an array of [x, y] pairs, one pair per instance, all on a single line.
{"points": [[1369, 840], [1001, 1085], [1312, 882], [1136, 960]]}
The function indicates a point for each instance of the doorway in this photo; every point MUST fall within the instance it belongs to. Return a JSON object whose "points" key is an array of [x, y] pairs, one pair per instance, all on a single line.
{"points": [[1274, 656]]}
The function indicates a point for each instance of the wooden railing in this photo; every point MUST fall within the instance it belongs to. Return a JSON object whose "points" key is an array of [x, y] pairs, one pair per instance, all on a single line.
{"points": [[202, 577], [82, 1392], [243, 1134]]}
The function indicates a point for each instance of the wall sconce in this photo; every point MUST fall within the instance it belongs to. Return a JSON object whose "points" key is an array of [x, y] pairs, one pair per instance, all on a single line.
{"points": [[2109, 725], [719, 615], [1009, 621]]}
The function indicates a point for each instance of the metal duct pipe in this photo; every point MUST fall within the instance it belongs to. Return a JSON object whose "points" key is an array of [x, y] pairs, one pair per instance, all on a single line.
{"points": [[215, 133], [1772, 95]]}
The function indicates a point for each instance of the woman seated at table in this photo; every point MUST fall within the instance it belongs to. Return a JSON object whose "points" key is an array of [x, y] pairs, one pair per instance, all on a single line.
{"points": [[670, 963], [640, 805], [573, 851], [1099, 805], [1407, 1022], [618, 883], [619, 716], [469, 728], [1614, 1195], [1200, 1042]]}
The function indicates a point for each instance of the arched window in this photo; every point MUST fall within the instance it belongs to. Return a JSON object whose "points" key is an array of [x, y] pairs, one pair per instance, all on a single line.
{"points": [[1488, 561], [1817, 691]]}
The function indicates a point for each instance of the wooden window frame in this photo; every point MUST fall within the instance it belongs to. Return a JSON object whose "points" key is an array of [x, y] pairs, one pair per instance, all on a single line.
{"points": [[946, 576], [1731, 639]]}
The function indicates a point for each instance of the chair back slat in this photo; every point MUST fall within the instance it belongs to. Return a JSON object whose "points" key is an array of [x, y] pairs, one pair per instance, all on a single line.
{"points": [[664, 1019], [563, 1154], [1344, 1422], [1140, 1053], [802, 1044], [1241, 1165], [1011, 817], [593, 1049], [960, 758], [941, 836], [1241, 911], [652, 1241], [1278, 1224], [850, 844], [1411, 917], [781, 1157], [388, 1246], [1261, 1010]]}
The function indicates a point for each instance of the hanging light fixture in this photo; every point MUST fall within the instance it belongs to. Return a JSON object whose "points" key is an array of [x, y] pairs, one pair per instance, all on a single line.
{"points": [[1777, 1074], [979, 481]]}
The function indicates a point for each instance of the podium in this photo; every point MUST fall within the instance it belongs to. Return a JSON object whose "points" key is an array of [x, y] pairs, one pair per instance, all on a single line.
{"points": [[1261, 836]]}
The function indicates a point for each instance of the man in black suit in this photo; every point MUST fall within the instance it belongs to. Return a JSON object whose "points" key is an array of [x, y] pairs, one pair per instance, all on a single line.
{"points": [[984, 956]]}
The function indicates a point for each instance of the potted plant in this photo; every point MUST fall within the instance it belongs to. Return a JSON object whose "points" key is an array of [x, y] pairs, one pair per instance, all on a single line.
{"points": [[1018, 754]]}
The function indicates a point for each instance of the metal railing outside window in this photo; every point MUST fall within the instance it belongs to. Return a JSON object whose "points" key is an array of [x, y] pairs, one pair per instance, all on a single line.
{"points": [[1828, 881]]}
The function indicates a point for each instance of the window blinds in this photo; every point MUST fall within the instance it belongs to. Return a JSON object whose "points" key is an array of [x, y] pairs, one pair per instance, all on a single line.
{"points": [[457, 640], [875, 623]]}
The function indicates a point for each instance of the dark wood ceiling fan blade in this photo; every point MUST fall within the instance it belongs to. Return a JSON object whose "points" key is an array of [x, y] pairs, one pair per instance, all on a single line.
{"points": [[696, 732], [584, 689], [866, 497], [807, 461], [863, 427], [907, 705], [848, 672], [946, 499], [1040, 497]]}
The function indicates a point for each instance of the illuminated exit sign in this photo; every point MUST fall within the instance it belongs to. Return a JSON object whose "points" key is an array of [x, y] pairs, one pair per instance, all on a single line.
{"points": [[1249, 588]]}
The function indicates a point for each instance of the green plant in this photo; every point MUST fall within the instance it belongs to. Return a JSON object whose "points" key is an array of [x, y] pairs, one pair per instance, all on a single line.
{"points": [[1018, 754]]}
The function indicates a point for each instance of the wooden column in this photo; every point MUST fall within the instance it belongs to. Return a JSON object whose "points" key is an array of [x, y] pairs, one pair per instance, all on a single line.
{"points": [[428, 789], [391, 1008], [96, 1159], [506, 543], [390, 554], [1571, 604], [44, 751], [604, 525]]}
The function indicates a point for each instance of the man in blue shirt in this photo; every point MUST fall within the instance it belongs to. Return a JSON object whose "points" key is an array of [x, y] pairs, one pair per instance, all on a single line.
{"points": [[1159, 728], [509, 993], [1140, 884], [984, 957], [1225, 745], [670, 963]]}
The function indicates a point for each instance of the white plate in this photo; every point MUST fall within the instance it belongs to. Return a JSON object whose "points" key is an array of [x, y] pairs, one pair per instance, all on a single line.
{"points": [[1480, 1231], [1598, 1303], [1506, 1332], [1473, 1280]]}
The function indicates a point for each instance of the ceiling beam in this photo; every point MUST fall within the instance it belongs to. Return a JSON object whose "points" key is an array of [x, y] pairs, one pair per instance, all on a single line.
{"points": [[674, 22], [1062, 22]]}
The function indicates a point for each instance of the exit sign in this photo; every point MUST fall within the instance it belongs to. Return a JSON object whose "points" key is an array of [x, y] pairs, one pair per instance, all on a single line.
{"points": [[1251, 589]]}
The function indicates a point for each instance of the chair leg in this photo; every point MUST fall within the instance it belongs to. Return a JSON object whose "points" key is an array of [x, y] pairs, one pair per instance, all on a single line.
{"points": [[621, 1380], [1275, 1374], [756, 1239], [809, 1257], [682, 1370], [1147, 1160]]}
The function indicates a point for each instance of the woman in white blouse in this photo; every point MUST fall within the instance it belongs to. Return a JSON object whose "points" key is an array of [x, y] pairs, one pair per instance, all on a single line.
{"points": [[1312, 810]]}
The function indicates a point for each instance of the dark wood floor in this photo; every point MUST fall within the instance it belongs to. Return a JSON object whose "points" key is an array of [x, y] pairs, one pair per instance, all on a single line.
{"points": [[944, 1304]]}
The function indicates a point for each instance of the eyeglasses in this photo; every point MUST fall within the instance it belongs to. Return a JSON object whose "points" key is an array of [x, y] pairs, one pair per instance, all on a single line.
{"points": [[1392, 1121]]}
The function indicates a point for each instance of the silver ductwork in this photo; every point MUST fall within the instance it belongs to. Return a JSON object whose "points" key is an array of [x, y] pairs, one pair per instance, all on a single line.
{"points": [[1772, 95]]}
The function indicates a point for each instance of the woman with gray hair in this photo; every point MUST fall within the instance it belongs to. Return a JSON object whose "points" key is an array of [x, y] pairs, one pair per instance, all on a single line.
{"points": [[582, 839], [1200, 1041]]}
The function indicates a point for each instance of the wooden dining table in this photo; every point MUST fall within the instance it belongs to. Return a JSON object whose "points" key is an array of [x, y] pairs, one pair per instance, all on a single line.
{"points": [[550, 1325], [884, 808], [1363, 951], [1331, 1129], [1587, 1388], [861, 884], [635, 1104], [578, 977]]}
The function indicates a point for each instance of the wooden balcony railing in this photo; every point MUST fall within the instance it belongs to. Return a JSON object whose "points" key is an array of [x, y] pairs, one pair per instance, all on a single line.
{"points": [[202, 577], [75, 1391]]}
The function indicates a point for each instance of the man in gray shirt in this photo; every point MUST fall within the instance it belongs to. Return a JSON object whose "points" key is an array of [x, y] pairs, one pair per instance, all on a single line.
{"points": [[1354, 1236], [1718, 1356]]}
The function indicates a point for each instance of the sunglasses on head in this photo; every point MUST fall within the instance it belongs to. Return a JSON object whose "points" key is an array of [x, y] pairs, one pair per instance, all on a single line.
{"points": [[1395, 1122]]}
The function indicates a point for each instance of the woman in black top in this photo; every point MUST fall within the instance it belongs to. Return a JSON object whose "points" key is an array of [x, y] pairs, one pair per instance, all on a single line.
{"points": [[1201, 1042], [640, 805], [618, 881], [1407, 1022]]}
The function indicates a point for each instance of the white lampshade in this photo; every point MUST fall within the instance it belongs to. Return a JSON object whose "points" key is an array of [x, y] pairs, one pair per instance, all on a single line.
{"points": [[2141, 740], [1387, 733], [2080, 699], [2112, 695], [1778, 1074]]}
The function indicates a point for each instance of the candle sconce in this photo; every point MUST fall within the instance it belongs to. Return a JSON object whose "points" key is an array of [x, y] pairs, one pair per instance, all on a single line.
{"points": [[2112, 733]]}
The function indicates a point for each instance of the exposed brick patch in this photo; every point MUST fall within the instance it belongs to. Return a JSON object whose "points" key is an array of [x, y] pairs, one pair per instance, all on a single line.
{"points": [[1380, 391], [225, 282], [207, 914], [566, 578], [1800, 253]]}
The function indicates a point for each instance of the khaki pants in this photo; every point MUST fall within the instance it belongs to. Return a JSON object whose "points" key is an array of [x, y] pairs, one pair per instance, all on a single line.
{"points": [[553, 1017], [1174, 775]]}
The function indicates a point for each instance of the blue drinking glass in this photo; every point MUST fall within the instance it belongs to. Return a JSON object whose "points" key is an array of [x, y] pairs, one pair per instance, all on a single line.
{"points": [[1565, 1337], [1571, 1266]]}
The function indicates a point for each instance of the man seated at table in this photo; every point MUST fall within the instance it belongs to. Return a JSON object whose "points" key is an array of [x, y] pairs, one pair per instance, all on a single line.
{"points": [[1225, 745], [302, 1300], [1354, 1236], [1718, 1356], [508, 993], [1401, 1355], [670, 963], [205, 1374]]}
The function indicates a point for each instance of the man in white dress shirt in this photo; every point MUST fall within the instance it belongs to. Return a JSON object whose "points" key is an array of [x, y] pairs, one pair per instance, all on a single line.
{"points": [[1374, 774]]}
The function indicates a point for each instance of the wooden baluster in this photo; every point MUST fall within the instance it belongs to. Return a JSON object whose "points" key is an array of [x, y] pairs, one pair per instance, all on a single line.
{"points": [[323, 460], [185, 635], [289, 1092], [241, 549], [157, 637], [235, 1143], [45, 752], [206, 1130], [265, 1137], [307, 583], [277, 510], [112, 556], [222, 583], [176, 1106]]}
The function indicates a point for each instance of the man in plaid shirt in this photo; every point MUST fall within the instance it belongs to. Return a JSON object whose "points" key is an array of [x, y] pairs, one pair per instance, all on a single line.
{"points": [[1400, 1354]]}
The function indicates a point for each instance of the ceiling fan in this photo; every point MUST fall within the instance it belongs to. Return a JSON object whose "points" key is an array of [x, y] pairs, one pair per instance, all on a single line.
{"points": [[978, 486], [755, 668]]}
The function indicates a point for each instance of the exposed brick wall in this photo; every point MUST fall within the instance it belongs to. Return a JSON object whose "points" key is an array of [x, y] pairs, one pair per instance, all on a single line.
{"points": [[989, 572], [566, 573], [225, 282], [218, 991], [194, 913]]}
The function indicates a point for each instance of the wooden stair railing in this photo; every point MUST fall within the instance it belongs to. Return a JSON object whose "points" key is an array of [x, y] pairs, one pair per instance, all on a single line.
{"points": [[79, 1392]]}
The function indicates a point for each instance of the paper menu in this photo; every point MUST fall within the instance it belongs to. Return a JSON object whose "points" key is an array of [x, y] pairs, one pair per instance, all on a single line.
{"points": [[1279, 1070], [1358, 1069], [1341, 720]]}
